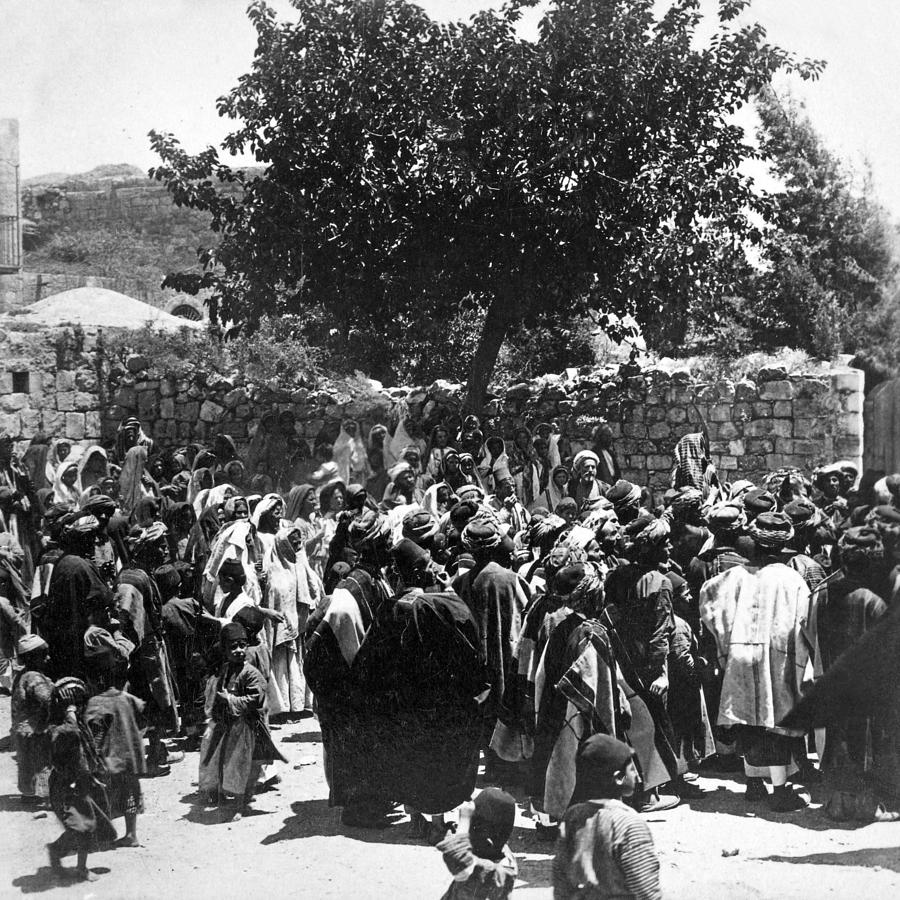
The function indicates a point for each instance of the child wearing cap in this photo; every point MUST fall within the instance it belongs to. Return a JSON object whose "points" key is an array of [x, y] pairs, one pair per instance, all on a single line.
{"points": [[478, 857], [30, 709], [605, 848]]}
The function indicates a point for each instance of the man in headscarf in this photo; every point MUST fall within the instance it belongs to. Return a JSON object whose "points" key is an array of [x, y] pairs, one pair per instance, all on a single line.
{"points": [[608, 469], [757, 615], [585, 487], [76, 587], [693, 466], [349, 453]]}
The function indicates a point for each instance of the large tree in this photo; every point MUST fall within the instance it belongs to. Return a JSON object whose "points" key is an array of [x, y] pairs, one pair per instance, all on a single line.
{"points": [[416, 170]]}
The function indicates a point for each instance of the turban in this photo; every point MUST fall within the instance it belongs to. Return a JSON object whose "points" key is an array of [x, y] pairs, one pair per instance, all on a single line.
{"points": [[398, 469], [366, 529], [232, 631], [70, 690], [419, 525], [144, 537], [758, 501], [562, 555], [581, 584], [860, 545], [887, 516], [739, 488], [583, 457], [726, 517], [28, 643], [233, 568], [408, 553], [687, 499], [463, 513], [892, 483], [624, 494], [99, 503], [543, 528], [771, 530], [81, 523], [481, 535], [802, 513], [469, 492], [823, 472], [647, 530]]}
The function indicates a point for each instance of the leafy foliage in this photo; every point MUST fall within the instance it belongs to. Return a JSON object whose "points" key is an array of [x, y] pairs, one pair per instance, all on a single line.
{"points": [[416, 171]]}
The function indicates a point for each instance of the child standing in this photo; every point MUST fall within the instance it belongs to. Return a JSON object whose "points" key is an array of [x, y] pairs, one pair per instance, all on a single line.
{"points": [[482, 865], [77, 782], [114, 718], [236, 742], [32, 691], [605, 848]]}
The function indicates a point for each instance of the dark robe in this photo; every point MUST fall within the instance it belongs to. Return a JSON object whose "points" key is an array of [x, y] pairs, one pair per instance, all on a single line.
{"points": [[417, 678], [76, 588]]}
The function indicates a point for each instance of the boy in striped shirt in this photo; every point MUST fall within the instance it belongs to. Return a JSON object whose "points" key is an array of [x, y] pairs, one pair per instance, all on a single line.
{"points": [[605, 849]]}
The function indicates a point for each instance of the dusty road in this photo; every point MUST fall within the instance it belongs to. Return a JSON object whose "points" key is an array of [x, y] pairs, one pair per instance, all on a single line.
{"points": [[293, 845]]}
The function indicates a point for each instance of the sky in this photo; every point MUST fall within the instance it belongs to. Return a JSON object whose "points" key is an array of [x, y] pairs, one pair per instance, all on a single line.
{"points": [[88, 79]]}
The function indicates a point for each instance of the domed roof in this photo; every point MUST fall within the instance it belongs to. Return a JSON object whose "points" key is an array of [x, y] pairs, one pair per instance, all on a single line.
{"points": [[96, 307]]}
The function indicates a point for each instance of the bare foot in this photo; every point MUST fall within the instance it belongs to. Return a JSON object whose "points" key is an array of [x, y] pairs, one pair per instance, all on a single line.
{"points": [[128, 840]]}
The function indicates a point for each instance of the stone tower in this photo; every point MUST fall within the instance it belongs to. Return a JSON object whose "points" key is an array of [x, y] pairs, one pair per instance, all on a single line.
{"points": [[10, 202]]}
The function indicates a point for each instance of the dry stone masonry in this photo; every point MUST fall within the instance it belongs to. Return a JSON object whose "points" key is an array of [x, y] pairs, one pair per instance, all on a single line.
{"points": [[756, 425]]}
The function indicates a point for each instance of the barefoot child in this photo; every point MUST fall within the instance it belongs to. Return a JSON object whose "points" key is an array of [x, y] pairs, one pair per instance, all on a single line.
{"points": [[115, 720], [478, 857], [605, 849], [77, 782], [32, 691], [236, 741]]}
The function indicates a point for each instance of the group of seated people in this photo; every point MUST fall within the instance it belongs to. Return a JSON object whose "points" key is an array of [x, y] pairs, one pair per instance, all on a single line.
{"points": [[437, 604]]}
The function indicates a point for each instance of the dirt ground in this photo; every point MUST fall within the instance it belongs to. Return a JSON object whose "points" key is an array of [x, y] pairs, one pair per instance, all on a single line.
{"points": [[293, 845]]}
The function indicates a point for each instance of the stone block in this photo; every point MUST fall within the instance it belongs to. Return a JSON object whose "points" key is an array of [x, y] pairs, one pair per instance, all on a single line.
{"points": [[654, 414], [167, 408], [736, 448], [657, 463], [784, 445], [771, 373], [658, 432], [848, 446], [807, 449], [720, 412], [761, 410], [126, 396], [676, 414], [137, 362], [211, 412], [92, 425], [782, 409], [852, 403], [168, 387], [234, 397], [86, 380], [13, 402], [728, 431], [75, 426], [11, 424], [774, 461], [760, 446], [850, 380], [776, 390], [635, 431], [31, 421], [850, 424], [725, 389], [65, 401], [65, 380], [637, 461], [728, 463], [810, 387], [85, 401], [742, 412], [147, 405], [745, 390], [53, 422], [809, 428], [187, 412]]}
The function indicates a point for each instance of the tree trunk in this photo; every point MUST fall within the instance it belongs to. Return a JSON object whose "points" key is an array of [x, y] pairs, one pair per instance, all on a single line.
{"points": [[500, 315]]}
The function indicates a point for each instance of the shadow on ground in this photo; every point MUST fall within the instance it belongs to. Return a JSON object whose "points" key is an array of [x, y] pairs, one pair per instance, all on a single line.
{"points": [[882, 857], [45, 879]]}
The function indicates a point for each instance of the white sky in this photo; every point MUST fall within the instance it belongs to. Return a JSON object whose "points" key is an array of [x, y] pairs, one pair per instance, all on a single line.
{"points": [[88, 79]]}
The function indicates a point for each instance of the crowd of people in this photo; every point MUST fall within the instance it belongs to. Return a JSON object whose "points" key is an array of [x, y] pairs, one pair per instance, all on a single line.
{"points": [[440, 604]]}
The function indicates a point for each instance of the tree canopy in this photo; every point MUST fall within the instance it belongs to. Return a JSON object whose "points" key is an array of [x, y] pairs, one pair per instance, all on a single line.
{"points": [[418, 173]]}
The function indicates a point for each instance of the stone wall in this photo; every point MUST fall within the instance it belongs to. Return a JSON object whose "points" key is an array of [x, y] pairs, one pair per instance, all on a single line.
{"points": [[756, 425]]}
